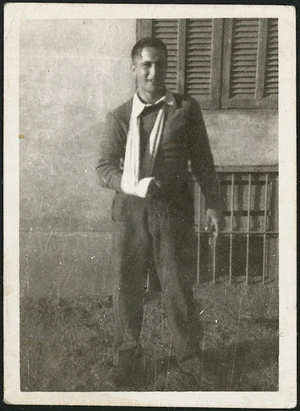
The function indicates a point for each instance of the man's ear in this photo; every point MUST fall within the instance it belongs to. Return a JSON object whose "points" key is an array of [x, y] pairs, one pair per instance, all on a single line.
{"points": [[133, 67]]}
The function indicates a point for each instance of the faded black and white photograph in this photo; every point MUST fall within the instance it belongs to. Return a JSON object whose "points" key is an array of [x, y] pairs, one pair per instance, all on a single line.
{"points": [[149, 204]]}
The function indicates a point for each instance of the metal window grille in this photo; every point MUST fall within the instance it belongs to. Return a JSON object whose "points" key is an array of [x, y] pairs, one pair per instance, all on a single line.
{"points": [[247, 248]]}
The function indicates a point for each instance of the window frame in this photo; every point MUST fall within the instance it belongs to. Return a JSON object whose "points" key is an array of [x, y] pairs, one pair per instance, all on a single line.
{"points": [[258, 100], [219, 97]]}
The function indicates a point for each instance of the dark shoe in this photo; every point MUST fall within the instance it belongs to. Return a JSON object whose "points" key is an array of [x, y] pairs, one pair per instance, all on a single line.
{"points": [[205, 381], [201, 377], [128, 372], [116, 378], [139, 371]]}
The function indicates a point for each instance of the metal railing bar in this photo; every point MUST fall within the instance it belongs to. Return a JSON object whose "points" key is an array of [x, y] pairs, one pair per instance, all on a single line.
{"points": [[213, 245], [214, 259], [199, 233], [231, 227], [265, 228], [277, 264], [243, 233], [243, 169], [248, 229], [242, 213], [225, 182], [247, 169]]}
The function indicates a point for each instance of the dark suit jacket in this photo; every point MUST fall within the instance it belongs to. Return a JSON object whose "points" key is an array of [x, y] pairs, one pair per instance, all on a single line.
{"points": [[184, 139]]}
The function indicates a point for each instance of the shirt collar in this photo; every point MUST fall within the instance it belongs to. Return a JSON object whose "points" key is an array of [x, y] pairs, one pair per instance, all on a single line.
{"points": [[138, 106]]}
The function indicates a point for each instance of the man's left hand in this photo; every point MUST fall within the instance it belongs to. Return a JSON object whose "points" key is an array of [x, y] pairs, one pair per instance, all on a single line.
{"points": [[154, 188], [213, 221]]}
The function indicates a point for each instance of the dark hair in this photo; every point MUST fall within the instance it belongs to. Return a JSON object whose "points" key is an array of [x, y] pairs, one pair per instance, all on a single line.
{"points": [[148, 42]]}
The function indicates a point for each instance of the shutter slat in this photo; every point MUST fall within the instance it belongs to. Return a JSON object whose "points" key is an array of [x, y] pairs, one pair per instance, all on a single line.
{"points": [[244, 69], [243, 91], [199, 23], [252, 47], [195, 32], [246, 22], [198, 52], [165, 22], [238, 54], [201, 90], [246, 59], [241, 86], [200, 43], [196, 69], [241, 80], [198, 76], [273, 90], [244, 31], [166, 31], [197, 60], [246, 40], [244, 73], [198, 81], [202, 35], [246, 34]]}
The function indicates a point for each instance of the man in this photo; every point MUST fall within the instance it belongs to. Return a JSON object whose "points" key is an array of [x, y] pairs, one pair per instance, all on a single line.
{"points": [[144, 156]]}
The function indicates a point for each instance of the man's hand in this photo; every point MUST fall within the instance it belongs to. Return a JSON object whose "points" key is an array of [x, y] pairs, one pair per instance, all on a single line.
{"points": [[154, 188], [213, 220], [148, 187]]}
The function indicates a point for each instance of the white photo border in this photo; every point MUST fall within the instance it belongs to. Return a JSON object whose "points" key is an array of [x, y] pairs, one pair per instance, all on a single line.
{"points": [[286, 396]]}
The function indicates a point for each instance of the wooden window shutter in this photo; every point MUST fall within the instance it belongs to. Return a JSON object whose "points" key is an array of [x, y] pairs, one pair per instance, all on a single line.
{"points": [[167, 31], [198, 57], [271, 74], [203, 60], [249, 69]]}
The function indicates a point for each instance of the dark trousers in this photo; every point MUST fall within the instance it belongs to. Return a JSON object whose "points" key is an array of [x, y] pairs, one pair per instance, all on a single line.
{"points": [[148, 229]]}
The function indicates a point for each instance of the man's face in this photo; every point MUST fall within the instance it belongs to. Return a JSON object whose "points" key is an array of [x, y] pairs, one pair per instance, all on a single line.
{"points": [[150, 70]]}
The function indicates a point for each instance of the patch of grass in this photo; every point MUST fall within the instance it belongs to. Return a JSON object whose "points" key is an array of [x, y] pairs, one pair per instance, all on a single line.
{"points": [[66, 346]]}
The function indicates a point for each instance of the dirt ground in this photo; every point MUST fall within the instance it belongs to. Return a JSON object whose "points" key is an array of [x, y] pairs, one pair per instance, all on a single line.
{"points": [[66, 346]]}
